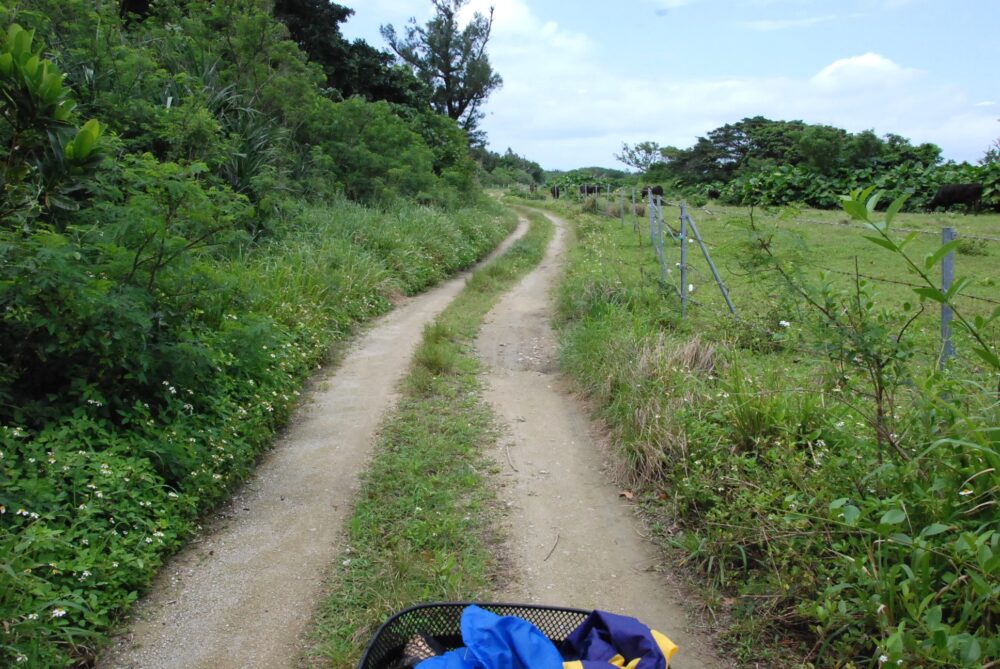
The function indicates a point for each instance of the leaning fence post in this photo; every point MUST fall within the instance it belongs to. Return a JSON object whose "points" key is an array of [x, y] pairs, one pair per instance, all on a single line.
{"points": [[684, 285], [947, 276], [711, 265]]}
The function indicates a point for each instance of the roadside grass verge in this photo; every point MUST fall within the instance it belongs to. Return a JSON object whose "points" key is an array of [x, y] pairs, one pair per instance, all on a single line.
{"points": [[753, 446], [93, 501], [424, 525]]}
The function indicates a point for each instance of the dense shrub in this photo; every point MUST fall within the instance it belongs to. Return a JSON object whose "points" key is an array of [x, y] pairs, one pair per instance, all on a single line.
{"points": [[171, 271]]}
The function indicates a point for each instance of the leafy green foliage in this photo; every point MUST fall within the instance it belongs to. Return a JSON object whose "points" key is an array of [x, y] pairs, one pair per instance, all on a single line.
{"points": [[758, 161], [171, 270]]}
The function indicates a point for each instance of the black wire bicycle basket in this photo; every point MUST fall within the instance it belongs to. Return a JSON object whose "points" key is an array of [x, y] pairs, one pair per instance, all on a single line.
{"points": [[440, 625]]}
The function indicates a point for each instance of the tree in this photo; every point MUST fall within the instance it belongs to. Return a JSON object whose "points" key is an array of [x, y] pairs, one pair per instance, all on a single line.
{"points": [[352, 68], [452, 61], [992, 154], [642, 156]]}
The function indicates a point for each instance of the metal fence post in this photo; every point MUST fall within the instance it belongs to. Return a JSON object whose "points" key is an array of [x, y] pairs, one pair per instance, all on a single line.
{"points": [[684, 284], [652, 238], [947, 276], [659, 238], [635, 214]]}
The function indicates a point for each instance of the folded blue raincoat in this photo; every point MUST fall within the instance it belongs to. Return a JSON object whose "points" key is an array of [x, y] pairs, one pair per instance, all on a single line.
{"points": [[606, 639], [497, 642]]}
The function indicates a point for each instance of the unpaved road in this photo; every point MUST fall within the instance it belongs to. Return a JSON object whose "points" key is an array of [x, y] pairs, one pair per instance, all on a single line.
{"points": [[574, 542], [242, 595]]}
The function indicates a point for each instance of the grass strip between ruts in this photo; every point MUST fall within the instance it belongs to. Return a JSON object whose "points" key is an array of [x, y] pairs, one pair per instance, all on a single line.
{"points": [[424, 524]]}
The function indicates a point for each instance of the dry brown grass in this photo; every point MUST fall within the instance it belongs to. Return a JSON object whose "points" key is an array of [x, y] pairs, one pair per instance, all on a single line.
{"points": [[656, 383]]}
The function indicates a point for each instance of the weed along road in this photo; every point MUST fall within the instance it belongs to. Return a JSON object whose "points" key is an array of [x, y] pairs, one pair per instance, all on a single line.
{"points": [[242, 595], [574, 543]]}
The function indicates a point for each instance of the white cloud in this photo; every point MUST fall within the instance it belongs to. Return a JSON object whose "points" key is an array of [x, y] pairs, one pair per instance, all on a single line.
{"points": [[566, 110], [865, 71], [986, 103]]}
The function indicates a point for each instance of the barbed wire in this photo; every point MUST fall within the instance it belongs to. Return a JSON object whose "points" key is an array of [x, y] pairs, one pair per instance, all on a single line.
{"points": [[977, 298]]}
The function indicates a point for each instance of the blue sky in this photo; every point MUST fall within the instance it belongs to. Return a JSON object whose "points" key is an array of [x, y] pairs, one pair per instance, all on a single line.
{"points": [[582, 77]]}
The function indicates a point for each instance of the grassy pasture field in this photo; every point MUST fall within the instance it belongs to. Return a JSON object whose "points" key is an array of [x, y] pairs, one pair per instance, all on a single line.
{"points": [[810, 240], [827, 529]]}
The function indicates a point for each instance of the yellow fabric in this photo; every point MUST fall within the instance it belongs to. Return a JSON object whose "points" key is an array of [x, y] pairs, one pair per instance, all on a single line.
{"points": [[667, 647], [575, 664]]}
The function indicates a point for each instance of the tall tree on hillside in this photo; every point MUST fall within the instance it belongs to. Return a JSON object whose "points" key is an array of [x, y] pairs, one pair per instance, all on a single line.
{"points": [[451, 60]]}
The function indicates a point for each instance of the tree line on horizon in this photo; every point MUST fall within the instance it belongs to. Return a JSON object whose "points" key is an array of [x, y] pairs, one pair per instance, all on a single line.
{"points": [[761, 161]]}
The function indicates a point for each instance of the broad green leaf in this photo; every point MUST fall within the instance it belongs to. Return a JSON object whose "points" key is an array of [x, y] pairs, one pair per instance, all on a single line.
{"points": [[86, 139], [934, 529], [851, 514], [873, 202], [884, 243], [837, 503], [894, 209], [971, 651], [931, 294], [957, 287], [932, 618], [908, 239], [21, 40], [30, 67], [6, 64], [855, 209], [939, 255], [893, 517]]}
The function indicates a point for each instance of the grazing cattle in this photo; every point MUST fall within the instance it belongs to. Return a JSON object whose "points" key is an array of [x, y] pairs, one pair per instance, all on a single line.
{"points": [[589, 189], [655, 190], [555, 190], [139, 8], [714, 193], [949, 194]]}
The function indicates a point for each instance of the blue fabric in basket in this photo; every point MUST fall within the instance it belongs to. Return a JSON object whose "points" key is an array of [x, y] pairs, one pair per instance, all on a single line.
{"points": [[497, 642]]}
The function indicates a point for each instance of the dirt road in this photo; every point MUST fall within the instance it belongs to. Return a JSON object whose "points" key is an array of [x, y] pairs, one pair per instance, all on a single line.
{"points": [[243, 593], [574, 542]]}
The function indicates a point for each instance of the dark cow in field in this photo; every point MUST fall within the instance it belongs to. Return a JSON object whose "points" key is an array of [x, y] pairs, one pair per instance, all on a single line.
{"points": [[949, 194], [138, 8], [655, 190], [714, 193], [589, 189], [555, 190]]}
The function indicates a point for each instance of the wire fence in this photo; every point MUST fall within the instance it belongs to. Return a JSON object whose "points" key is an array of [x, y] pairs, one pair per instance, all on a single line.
{"points": [[623, 203]]}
